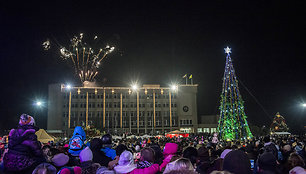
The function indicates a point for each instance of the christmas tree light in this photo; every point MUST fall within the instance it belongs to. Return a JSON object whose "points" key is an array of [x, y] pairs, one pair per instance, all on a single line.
{"points": [[232, 123]]}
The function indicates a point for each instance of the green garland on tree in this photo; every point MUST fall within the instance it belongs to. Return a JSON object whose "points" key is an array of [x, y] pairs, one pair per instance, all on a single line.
{"points": [[232, 123]]}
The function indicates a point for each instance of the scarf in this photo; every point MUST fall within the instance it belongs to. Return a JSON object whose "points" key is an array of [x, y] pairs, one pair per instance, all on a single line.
{"points": [[143, 164]]}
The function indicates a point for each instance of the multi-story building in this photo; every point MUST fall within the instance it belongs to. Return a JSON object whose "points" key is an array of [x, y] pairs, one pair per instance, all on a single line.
{"points": [[146, 109]]}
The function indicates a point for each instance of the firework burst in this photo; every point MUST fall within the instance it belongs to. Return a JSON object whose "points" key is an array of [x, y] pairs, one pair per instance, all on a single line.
{"points": [[86, 59]]}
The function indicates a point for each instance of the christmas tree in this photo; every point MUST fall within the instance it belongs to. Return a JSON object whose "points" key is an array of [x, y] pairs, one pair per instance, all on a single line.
{"points": [[232, 123], [279, 124]]}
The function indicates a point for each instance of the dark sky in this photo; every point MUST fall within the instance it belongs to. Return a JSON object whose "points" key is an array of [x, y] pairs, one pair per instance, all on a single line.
{"points": [[158, 42]]}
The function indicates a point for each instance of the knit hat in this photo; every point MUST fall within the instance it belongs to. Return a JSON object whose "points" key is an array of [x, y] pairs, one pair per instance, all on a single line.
{"points": [[60, 159], [237, 162], [86, 155], [44, 167], [125, 163], [26, 119], [267, 161], [297, 170], [224, 153]]}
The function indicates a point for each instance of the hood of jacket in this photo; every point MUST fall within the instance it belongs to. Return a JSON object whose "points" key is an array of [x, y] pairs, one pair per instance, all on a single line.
{"points": [[170, 148], [79, 131]]}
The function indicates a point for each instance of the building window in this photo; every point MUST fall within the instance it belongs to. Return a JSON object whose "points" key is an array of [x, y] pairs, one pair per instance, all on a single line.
{"points": [[199, 130]]}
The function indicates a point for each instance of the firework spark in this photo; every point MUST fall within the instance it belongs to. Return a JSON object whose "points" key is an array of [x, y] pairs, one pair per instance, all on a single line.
{"points": [[86, 60]]}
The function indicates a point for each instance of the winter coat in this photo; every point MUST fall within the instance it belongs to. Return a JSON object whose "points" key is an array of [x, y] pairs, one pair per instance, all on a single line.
{"points": [[98, 155], [24, 151], [78, 131], [149, 170], [169, 151], [109, 152]]}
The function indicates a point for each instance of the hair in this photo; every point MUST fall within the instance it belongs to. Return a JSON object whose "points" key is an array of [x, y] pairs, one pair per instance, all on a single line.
{"points": [[44, 168], [120, 148], [183, 164], [147, 154], [295, 160], [191, 153], [267, 139]]}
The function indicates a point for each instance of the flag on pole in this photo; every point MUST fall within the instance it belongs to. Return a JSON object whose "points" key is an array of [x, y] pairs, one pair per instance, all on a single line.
{"points": [[185, 76], [190, 77]]}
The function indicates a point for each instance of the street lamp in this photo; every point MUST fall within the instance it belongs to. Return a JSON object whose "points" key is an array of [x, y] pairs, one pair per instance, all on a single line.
{"points": [[134, 87], [38, 103], [304, 105], [174, 87]]}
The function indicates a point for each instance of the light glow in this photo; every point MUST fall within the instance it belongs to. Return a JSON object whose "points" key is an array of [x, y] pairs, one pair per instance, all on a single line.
{"points": [[228, 50], [134, 87]]}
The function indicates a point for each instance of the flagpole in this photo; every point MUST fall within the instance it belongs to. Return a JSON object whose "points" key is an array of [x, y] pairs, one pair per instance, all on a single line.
{"points": [[186, 80], [191, 81]]}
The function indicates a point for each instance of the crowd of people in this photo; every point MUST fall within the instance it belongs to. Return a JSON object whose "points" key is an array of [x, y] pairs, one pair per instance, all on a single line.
{"points": [[195, 154]]}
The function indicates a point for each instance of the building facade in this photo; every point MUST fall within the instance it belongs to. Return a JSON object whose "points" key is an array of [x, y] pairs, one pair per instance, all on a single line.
{"points": [[147, 109]]}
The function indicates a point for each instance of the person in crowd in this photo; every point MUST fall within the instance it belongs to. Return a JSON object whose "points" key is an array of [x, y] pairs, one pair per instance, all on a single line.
{"points": [[125, 163], [98, 155], [169, 151], [269, 146], [181, 164], [77, 142], [47, 153], [107, 146], [237, 162], [24, 151], [204, 160], [87, 165], [44, 168], [297, 164], [267, 164], [191, 153], [158, 154]]}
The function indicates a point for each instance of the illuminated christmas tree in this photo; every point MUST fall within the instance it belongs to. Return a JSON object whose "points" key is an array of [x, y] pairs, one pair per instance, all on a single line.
{"points": [[232, 123], [279, 124]]}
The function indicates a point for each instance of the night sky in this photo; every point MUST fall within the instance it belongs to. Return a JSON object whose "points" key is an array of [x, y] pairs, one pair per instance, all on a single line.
{"points": [[159, 42]]}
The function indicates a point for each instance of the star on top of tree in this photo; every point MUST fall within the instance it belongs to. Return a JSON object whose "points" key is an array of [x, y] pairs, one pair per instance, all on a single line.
{"points": [[228, 50]]}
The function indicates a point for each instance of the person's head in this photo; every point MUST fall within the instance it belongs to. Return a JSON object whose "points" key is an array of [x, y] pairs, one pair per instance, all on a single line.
{"points": [[237, 162], [44, 168], [120, 148], [86, 155], [46, 150], [147, 154], [295, 160], [203, 154], [126, 158], [191, 153], [267, 162], [183, 164], [106, 140], [95, 144], [26, 119], [267, 139], [287, 148]]}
